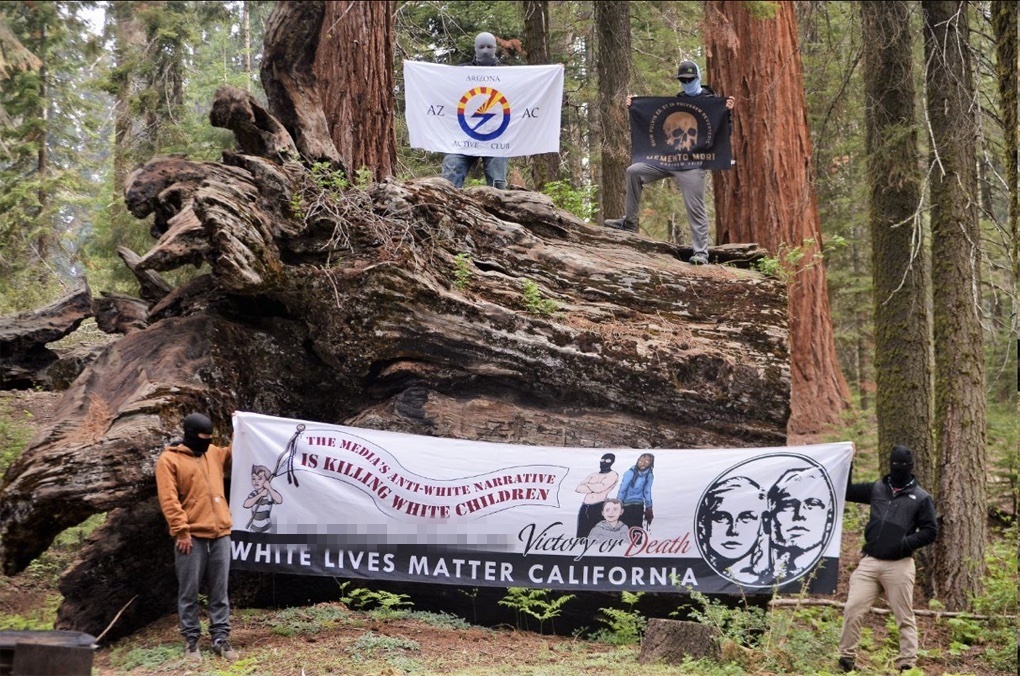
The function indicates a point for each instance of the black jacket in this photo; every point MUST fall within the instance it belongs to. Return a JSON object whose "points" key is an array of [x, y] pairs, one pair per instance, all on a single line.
{"points": [[900, 523]]}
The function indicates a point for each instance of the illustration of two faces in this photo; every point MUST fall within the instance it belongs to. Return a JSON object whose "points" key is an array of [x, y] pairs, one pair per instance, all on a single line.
{"points": [[762, 537]]}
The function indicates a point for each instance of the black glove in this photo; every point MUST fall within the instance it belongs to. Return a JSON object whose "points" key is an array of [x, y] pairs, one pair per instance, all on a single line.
{"points": [[648, 514]]}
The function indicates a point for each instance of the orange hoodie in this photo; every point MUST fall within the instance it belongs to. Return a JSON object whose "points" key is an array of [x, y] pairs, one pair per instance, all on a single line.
{"points": [[191, 491]]}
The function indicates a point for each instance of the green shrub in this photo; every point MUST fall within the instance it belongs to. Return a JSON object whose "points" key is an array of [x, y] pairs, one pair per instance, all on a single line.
{"points": [[624, 626], [440, 620], [462, 270], [310, 620], [534, 603], [533, 300], [578, 201]]}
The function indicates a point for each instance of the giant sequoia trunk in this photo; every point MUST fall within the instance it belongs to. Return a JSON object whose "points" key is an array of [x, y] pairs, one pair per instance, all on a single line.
{"points": [[400, 307], [768, 197], [354, 68], [960, 417]]}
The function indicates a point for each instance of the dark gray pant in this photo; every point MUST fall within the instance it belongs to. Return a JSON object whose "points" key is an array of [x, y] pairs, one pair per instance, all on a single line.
{"points": [[209, 559], [691, 183]]}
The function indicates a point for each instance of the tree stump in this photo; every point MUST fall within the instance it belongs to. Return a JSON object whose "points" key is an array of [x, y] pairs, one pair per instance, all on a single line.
{"points": [[671, 641]]}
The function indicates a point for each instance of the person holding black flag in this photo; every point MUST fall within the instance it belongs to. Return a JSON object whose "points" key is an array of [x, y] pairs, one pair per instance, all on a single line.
{"points": [[690, 180]]}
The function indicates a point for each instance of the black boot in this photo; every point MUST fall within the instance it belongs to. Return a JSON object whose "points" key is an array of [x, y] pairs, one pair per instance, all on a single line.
{"points": [[846, 664], [628, 224]]}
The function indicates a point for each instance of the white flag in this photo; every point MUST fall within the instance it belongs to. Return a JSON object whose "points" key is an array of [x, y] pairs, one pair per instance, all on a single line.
{"points": [[484, 111]]}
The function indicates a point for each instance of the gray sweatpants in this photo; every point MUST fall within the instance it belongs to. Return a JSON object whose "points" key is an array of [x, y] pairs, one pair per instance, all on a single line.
{"points": [[691, 183], [209, 560]]}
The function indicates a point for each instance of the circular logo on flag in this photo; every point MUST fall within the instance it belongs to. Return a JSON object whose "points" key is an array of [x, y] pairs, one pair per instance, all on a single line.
{"points": [[767, 521], [483, 113]]}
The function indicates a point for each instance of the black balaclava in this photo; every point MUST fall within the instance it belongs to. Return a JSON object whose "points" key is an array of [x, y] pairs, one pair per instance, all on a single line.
{"points": [[606, 463], [196, 424], [901, 466], [485, 50]]}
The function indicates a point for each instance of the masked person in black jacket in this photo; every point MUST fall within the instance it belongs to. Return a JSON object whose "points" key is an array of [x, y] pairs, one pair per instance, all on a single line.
{"points": [[902, 521]]}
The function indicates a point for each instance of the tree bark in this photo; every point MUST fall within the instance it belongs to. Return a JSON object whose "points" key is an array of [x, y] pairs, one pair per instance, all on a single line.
{"points": [[960, 416], [354, 68], [900, 264], [544, 167], [768, 197], [1007, 67], [612, 63], [24, 356], [291, 42], [246, 42]]}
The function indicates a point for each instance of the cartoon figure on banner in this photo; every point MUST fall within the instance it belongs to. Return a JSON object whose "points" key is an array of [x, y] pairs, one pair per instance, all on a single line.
{"points": [[610, 528], [261, 500], [636, 494], [596, 487], [730, 531], [801, 517], [263, 496], [760, 538]]}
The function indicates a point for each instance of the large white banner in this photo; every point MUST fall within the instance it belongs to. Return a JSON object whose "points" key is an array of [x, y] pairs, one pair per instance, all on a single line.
{"points": [[316, 499], [484, 111]]}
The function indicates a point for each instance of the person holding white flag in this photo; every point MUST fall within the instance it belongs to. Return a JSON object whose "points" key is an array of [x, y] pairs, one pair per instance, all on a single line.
{"points": [[455, 165], [484, 110]]}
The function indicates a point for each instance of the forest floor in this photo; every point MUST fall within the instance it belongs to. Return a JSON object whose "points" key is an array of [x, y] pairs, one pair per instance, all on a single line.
{"points": [[333, 638]]}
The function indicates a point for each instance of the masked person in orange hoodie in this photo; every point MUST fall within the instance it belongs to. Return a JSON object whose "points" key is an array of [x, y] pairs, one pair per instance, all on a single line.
{"points": [[189, 480]]}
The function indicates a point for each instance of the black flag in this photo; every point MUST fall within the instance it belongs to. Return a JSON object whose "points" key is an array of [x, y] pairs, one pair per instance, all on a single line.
{"points": [[680, 132]]}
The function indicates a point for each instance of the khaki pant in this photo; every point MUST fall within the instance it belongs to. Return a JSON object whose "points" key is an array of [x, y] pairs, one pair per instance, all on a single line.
{"points": [[896, 579]]}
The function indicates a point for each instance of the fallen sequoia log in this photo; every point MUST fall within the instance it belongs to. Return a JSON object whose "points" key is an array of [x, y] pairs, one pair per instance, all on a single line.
{"points": [[641, 350], [414, 307], [24, 357]]}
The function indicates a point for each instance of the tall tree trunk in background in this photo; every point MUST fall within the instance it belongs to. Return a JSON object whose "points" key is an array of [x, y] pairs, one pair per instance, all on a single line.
{"points": [[354, 68], [960, 416], [767, 197], [246, 38], [862, 341], [128, 46], [544, 167], [44, 239], [612, 64], [168, 25], [900, 266], [1005, 26]]}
